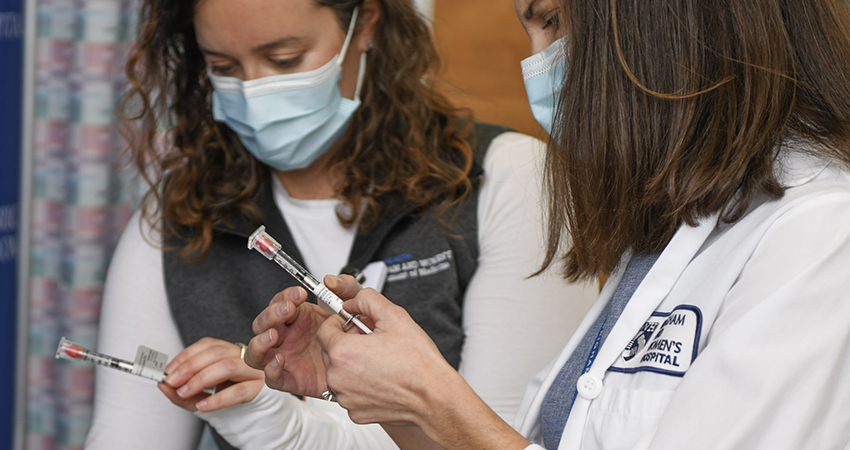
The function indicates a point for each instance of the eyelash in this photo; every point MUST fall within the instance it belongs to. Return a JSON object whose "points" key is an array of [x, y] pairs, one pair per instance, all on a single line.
{"points": [[222, 70], [282, 63], [553, 20], [287, 63]]}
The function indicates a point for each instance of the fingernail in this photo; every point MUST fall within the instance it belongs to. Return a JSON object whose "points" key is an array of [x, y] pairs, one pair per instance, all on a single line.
{"points": [[295, 294], [171, 377], [182, 391], [283, 308], [337, 280], [276, 361], [267, 337], [170, 367], [201, 405]]}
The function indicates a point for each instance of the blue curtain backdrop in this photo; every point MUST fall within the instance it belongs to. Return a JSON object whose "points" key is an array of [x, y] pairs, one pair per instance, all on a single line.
{"points": [[11, 55]]}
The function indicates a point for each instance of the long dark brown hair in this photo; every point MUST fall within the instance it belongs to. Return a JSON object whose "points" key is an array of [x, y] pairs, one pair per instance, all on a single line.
{"points": [[673, 110], [405, 138]]}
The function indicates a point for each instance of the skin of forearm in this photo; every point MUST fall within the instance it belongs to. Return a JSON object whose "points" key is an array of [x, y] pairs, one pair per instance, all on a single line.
{"points": [[410, 438], [457, 418]]}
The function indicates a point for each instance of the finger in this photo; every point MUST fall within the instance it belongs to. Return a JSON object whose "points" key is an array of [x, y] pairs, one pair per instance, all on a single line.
{"points": [[217, 351], [280, 310], [236, 394], [329, 334], [369, 303], [189, 351], [257, 354], [186, 403], [344, 286], [231, 369], [274, 374]]}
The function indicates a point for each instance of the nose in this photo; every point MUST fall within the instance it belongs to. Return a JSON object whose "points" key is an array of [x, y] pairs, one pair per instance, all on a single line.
{"points": [[252, 69], [250, 73]]}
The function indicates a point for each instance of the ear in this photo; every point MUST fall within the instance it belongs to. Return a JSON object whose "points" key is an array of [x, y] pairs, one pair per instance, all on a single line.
{"points": [[367, 22]]}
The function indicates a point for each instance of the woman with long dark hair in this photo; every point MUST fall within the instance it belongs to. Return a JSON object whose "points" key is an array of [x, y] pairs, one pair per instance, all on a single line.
{"points": [[699, 153], [322, 120]]}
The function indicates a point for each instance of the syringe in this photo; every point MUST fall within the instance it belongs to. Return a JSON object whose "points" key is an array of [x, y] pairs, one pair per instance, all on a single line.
{"points": [[270, 248], [149, 363], [75, 352]]}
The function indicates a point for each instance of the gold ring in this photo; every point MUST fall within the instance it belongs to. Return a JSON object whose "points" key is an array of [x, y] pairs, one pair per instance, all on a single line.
{"points": [[243, 348]]}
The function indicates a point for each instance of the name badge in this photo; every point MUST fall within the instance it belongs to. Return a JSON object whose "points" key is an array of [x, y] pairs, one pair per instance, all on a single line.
{"points": [[667, 343]]}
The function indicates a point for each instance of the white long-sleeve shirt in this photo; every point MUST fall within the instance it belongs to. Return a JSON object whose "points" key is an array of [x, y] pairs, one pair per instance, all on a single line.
{"points": [[512, 325]]}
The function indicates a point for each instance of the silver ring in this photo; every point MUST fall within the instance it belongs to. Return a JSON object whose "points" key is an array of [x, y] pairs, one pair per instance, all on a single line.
{"points": [[348, 323], [329, 395]]}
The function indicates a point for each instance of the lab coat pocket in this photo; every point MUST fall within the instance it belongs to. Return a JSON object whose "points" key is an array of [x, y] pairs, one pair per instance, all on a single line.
{"points": [[619, 418]]}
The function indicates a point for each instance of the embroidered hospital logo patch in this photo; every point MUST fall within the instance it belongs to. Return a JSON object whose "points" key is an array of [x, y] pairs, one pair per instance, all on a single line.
{"points": [[405, 267], [667, 343]]}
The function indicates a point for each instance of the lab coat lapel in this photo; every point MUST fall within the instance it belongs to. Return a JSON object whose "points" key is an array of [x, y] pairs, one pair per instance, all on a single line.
{"points": [[529, 409], [658, 282]]}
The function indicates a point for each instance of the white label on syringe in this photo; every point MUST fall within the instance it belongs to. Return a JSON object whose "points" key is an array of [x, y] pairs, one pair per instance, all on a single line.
{"points": [[329, 298], [150, 363]]}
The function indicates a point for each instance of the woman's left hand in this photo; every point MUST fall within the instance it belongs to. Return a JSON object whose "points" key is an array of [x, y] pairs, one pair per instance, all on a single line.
{"points": [[397, 376], [386, 376], [210, 363]]}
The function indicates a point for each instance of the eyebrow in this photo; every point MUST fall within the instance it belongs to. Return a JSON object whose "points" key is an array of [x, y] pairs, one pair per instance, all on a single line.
{"points": [[290, 40], [529, 12]]}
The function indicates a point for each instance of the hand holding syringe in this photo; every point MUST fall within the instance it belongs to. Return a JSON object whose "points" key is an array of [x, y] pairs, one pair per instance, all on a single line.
{"points": [[270, 248], [149, 363]]}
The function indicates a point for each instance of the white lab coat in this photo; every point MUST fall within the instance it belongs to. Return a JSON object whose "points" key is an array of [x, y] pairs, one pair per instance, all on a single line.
{"points": [[738, 337]]}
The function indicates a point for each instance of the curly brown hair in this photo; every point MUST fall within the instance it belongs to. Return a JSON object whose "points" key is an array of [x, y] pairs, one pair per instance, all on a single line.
{"points": [[406, 137], [675, 110]]}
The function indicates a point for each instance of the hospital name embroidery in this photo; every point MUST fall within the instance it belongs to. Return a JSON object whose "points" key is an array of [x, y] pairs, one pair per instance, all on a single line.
{"points": [[420, 268], [667, 343]]}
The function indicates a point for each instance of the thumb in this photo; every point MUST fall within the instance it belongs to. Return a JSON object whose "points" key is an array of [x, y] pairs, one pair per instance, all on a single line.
{"points": [[370, 303], [344, 286]]}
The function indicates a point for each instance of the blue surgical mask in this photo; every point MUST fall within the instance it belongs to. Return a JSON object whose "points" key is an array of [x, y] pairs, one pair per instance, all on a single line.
{"points": [[289, 121], [543, 74]]}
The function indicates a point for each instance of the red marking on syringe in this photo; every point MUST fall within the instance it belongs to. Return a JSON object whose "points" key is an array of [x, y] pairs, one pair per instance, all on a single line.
{"points": [[265, 245], [75, 351]]}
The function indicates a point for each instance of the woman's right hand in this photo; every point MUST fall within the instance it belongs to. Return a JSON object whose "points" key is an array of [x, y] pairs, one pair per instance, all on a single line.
{"points": [[285, 345], [205, 364]]}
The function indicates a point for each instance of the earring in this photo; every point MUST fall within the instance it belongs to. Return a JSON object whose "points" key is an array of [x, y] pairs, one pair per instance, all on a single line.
{"points": [[371, 45]]}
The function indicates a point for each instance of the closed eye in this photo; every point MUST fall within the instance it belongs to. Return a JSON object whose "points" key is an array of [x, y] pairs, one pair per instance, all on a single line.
{"points": [[287, 63], [223, 69], [553, 21]]}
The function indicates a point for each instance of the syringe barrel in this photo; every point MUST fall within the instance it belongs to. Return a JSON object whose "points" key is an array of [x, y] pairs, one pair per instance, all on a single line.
{"points": [[75, 352], [263, 243], [271, 249]]}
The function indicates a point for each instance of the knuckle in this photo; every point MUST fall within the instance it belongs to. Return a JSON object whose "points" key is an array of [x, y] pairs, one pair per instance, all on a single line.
{"points": [[197, 382], [221, 351], [232, 365], [188, 366], [240, 390], [272, 381], [279, 297]]}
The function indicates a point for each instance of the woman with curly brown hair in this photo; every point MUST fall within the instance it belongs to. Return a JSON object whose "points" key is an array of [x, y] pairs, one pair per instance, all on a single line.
{"points": [[700, 153], [321, 120]]}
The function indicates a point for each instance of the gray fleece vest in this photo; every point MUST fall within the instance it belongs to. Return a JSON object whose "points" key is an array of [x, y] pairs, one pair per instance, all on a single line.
{"points": [[429, 271]]}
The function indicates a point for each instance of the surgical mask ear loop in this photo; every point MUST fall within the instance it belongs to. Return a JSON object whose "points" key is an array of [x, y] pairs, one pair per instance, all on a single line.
{"points": [[361, 71], [361, 74], [348, 36]]}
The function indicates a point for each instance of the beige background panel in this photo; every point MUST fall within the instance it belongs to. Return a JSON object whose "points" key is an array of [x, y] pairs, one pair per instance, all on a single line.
{"points": [[482, 44]]}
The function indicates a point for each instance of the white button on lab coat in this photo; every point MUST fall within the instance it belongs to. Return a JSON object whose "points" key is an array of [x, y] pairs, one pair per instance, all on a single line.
{"points": [[767, 304]]}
